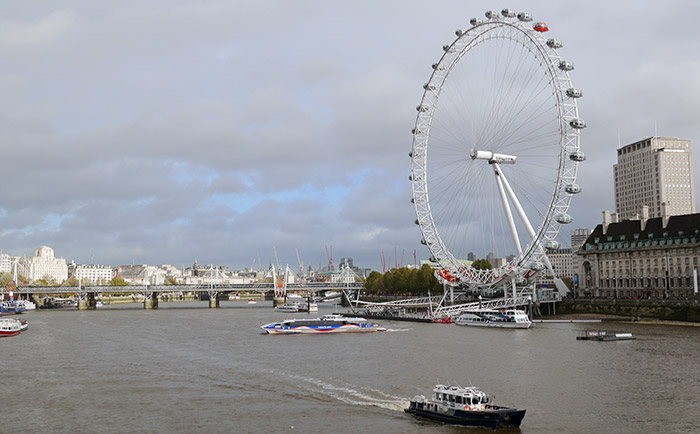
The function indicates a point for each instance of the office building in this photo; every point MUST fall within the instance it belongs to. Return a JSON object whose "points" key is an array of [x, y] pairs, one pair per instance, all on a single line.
{"points": [[652, 172]]}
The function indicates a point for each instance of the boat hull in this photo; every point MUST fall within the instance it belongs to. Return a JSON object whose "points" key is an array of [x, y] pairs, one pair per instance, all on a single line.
{"points": [[498, 325], [492, 419], [348, 328]]}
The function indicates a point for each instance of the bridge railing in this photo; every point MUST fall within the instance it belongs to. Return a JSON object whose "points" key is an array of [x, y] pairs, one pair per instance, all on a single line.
{"points": [[221, 287]]}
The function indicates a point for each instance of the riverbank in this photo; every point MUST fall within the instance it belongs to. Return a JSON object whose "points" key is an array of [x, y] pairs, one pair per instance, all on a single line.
{"points": [[638, 310]]}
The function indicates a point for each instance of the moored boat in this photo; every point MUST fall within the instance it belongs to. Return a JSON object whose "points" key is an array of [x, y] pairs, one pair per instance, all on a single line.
{"points": [[468, 406], [326, 324], [510, 318], [290, 308], [10, 327], [604, 336], [11, 308]]}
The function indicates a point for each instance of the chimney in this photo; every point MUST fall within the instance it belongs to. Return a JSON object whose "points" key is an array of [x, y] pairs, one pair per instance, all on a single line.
{"points": [[664, 214], [645, 216], [614, 217], [606, 221]]}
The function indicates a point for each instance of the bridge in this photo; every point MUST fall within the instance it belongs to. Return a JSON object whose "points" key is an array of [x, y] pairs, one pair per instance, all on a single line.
{"points": [[88, 294]]}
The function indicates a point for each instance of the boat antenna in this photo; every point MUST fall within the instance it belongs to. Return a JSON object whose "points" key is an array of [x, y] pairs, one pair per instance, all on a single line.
{"points": [[470, 382]]}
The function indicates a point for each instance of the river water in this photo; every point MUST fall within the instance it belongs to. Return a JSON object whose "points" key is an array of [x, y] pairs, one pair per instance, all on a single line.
{"points": [[187, 368]]}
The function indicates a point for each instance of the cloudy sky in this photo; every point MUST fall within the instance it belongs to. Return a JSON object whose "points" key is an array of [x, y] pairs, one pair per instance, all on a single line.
{"points": [[173, 131]]}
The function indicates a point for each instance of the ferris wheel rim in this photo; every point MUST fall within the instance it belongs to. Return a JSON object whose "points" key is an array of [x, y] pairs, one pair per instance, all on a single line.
{"points": [[569, 143]]}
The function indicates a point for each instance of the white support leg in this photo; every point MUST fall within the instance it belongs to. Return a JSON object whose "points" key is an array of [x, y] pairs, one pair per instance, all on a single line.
{"points": [[506, 209]]}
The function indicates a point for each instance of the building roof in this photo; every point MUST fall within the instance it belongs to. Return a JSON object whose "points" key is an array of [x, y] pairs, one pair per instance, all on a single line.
{"points": [[687, 225]]}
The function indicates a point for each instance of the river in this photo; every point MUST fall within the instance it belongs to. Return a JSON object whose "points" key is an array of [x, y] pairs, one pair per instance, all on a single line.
{"points": [[187, 368]]}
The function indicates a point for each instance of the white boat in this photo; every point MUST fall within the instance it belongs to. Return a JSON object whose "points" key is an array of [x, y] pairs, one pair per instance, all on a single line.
{"points": [[327, 324], [510, 318], [290, 307], [467, 406], [313, 307], [252, 301], [28, 305], [10, 327]]}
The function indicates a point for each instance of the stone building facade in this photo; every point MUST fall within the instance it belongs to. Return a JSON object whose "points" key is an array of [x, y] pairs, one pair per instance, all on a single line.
{"points": [[653, 258]]}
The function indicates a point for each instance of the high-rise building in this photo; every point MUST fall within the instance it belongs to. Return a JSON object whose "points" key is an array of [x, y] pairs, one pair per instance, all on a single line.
{"points": [[578, 237], [652, 172]]}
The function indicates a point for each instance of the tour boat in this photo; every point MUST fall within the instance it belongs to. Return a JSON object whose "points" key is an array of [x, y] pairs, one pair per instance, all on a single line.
{"points": [[467, 406], [10, 327], [26, 304], [291, 308], [511, 318], [327, 324], [251, 301], [10, 308]]}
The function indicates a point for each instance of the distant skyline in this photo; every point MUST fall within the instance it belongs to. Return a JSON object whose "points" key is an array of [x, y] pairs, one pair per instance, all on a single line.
{"points": [[174, 132]]}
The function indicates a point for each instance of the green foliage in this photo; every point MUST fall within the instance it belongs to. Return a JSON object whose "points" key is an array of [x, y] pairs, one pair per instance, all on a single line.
{"points": [[118, 281], [71, 281], [5, 278], [170, 281], [403, 281], [482, 264]]}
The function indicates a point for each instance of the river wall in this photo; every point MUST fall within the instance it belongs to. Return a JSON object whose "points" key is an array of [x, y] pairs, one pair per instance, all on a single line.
{"points": [[636, 309]]}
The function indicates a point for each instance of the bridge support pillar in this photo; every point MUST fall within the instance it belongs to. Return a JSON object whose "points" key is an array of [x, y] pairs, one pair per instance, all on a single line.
{"points": [[277, 301], [88, 302], [150, 301], [213, 300]]}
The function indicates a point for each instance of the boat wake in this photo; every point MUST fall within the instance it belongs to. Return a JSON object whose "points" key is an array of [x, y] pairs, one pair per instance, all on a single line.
{"points": [[350, 394], [399, 330]]}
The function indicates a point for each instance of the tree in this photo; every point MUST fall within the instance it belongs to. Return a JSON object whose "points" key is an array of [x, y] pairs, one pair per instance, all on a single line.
{"points": [[118, 281], [5, 278], [482, 264], [71, 281], [170, 280]]}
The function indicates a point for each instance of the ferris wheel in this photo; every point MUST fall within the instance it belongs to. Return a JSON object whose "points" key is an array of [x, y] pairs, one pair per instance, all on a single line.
{"points": [[496, 151]]}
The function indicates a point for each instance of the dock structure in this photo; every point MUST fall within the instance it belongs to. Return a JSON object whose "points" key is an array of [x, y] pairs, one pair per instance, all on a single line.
{"points": [[439, 307]]}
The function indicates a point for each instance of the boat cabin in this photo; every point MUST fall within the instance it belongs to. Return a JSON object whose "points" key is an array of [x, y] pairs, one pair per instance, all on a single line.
{"points": [[469, 398]]}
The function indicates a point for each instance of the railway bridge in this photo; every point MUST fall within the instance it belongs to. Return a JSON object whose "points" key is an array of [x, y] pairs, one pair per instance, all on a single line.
{"points": [[87, 295]]}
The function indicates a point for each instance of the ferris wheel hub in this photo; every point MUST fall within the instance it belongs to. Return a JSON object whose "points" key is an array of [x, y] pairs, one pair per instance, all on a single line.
{"points": [[492, 157]]}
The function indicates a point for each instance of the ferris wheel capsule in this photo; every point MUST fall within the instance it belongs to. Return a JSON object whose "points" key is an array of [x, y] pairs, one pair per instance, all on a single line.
{"points": [[554, 43], [565, 65], [577, 156], [551, 244], [573, 189], [508, 13], [540, 27], [524, 16], [536, 266], [475, 21], [564, 218], [491, 14], [577, 123], [572, 92]]}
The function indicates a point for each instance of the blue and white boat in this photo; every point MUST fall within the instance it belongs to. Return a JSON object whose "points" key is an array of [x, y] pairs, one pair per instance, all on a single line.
{"points": [[326, 324], [10, 308], [510, 318]]}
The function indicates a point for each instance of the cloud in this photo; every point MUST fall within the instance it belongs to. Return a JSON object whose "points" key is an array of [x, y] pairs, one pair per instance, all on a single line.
{"points": [[212, 131]]}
